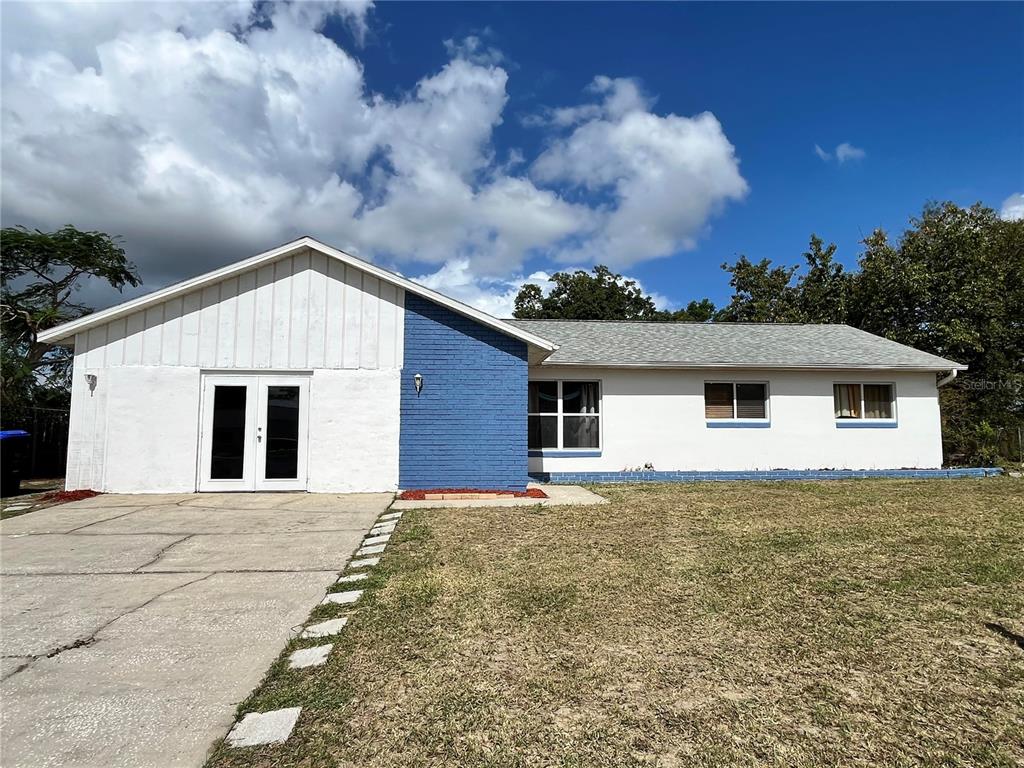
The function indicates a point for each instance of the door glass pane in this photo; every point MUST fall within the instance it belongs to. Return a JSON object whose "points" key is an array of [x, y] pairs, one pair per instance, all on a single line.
{"points": [[227, 444], [579, 397], [543, 432], [877, 401], [543, 397], [282, 433], [750, 401], [580, 432]]}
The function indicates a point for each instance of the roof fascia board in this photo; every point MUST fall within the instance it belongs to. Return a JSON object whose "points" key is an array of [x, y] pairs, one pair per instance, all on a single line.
{"points": [[757, 366], [66, 331]]}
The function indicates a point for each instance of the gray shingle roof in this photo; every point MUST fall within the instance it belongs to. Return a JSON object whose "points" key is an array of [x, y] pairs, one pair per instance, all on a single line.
{"points": [[753, 345]]}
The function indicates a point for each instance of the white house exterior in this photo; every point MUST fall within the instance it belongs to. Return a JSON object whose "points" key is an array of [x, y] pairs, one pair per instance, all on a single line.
{"points": [[297, 370]]}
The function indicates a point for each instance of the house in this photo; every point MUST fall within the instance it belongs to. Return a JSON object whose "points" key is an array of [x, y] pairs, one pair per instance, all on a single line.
{"points": [[305, 368]]}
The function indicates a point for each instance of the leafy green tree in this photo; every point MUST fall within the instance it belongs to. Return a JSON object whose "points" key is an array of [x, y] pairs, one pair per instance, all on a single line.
{"points": [[580, 295], [39, 275], [761, 293], [953, 285], [823, 291], [702, 311]]}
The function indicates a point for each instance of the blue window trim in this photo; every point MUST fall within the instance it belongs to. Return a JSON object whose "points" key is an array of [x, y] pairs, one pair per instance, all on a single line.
{"points": [[558, 453], [736, 424], [865, 424]]}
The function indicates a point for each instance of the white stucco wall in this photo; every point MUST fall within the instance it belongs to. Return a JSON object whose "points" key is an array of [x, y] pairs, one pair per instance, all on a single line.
{"points": [[353, 431], [657, 417], [137, 431]]}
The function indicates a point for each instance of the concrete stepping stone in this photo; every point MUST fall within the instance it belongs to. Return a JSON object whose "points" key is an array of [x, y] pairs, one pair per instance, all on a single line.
{"points": [[353, 577], [366, 562], [325, 628], [389, 516], [342, 598], [370, 540], [379, 529], [376, 549], [309, 657], [257, 728]]}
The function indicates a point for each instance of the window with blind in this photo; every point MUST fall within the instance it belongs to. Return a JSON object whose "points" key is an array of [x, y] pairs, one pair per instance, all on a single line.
{"points": [[863, 401], [736, 400], [564, 414]]}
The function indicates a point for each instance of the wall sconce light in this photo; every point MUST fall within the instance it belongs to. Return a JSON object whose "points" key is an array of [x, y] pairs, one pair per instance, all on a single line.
{"points": [[418, 381], [90, 379]]}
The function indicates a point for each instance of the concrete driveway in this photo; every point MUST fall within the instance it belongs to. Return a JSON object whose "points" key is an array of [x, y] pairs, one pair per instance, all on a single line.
{"points": [[133, 625]]}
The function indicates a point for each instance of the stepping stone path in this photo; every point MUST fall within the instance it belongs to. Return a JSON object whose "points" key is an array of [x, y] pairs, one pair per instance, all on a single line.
{"points": [[367, 562], [309, 657], [376, 549], [276, 726], [325, 628], [342, 598], [258, 728], [352, 577]]}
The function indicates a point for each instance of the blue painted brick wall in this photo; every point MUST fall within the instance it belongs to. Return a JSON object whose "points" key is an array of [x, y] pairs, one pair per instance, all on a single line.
{"points": [[467, 428]]}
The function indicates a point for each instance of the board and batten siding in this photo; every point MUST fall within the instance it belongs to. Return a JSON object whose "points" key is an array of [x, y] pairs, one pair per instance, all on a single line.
{"points": [[306, 311]]}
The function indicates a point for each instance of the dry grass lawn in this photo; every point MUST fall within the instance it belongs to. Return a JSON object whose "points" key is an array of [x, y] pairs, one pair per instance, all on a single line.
{"points": [[825, 624]]}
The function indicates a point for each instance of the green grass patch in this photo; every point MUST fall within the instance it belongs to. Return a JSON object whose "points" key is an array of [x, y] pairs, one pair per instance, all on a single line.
{"points": [[777, 624]]}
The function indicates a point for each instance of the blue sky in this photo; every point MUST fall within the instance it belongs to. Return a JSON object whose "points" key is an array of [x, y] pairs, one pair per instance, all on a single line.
{"points": [[929, 96], [934, 94]]}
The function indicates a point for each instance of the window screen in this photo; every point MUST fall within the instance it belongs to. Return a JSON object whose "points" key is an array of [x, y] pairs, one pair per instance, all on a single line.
{"points": [[846, 398]]}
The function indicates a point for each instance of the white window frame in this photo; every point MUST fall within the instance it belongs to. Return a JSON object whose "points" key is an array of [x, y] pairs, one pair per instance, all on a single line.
{"points": [[559, 414], [734, 419], [862, 418]]}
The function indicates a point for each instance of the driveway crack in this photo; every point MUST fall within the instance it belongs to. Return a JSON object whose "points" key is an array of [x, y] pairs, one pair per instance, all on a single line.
{"points": [[83, 642], [163, 551]]}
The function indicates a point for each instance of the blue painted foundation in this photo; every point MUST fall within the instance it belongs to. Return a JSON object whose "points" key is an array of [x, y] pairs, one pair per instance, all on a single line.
{"points": [[575, 478], [467, 427]]}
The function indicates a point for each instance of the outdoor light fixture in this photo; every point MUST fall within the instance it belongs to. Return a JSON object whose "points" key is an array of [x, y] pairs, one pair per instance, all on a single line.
{"points": [[90, 379], [418, 380]]}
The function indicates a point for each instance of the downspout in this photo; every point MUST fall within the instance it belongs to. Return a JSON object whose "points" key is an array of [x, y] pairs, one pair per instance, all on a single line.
{"points": [[946, 379]]}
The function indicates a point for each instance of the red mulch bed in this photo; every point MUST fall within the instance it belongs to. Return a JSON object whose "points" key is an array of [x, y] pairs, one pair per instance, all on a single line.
{"points": [[62, 497], [529, 493]]}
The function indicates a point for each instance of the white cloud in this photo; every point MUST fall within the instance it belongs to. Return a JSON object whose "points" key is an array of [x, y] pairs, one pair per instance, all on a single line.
{"points": [[1013, 208], [844, 153], [204, 132], [667, 175], [473, 48], [847, 151]]}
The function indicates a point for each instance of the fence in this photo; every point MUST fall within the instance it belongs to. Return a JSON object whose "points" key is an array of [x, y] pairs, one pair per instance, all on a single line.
{"points": [[48, 428]]}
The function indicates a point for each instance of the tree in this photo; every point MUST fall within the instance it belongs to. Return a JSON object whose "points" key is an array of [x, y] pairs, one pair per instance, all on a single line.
{"points": [[39, 275], [761, 293], [702, 311], [823, 291], [580, 295], [953, 285]]}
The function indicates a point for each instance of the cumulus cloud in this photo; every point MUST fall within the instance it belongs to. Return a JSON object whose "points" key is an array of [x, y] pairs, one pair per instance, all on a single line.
{"points": [[666, 175], [204, 132], [844, 153], [1013, 208]]}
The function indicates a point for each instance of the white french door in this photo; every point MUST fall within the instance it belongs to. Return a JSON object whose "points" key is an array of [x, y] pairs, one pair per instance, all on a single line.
{"points": [[254, 433]]}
